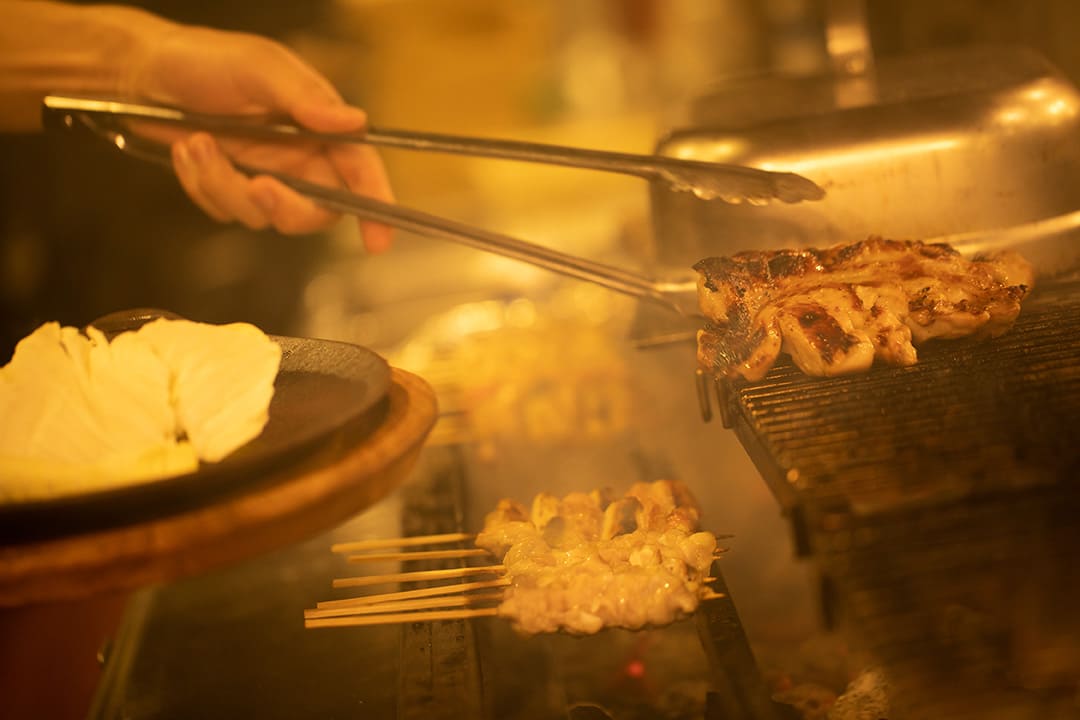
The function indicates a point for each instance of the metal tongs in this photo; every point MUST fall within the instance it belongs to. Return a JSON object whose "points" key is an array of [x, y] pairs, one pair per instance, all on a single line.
{"points": [[105, 117]]}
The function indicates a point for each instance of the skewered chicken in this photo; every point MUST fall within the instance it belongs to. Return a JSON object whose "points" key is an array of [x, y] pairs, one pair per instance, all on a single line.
{"points": [[588, 561], [836, 310]]}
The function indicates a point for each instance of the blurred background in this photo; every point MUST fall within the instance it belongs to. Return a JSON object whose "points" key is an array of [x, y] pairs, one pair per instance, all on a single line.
{"points": [[539, 377]]}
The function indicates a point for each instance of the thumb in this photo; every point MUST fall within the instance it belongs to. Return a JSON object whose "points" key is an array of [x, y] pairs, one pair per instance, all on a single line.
{"points": [[326, 115]]}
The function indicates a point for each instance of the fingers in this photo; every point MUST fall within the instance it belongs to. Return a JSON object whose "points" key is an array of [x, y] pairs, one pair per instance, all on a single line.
{"points": [[360, 167], [247, 74], [287, 211], [211, 181], [227, 195], [315, 104], [378, 238], [362, 171]]}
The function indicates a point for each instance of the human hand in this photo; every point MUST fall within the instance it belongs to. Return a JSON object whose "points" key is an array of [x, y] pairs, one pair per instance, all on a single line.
{"points": [[213, 71]]}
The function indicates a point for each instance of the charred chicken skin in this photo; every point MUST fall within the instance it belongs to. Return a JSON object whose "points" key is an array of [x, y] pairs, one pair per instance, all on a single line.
{"points": [[837, 310]]}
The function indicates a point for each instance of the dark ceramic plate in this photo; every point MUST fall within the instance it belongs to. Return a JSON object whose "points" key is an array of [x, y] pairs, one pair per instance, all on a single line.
{"points": [[327, 395]]}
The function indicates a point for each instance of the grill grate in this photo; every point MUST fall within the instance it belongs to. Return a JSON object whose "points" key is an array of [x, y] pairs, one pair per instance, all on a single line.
{"points": [[939, 505], [972, 417]]}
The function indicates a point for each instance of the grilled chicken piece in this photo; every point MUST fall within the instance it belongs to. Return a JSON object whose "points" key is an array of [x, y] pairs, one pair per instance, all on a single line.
{"points": [[620, 517], [588, 561], [836, 310]]}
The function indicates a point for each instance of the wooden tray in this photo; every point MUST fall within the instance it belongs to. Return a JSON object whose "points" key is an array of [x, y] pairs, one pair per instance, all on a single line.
{"points": [[335, 480]]}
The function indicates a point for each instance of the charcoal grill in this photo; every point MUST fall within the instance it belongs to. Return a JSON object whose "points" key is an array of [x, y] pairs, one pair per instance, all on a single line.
{"points": [[972, 418], [221, 662], [935, 503], [939, 502]]}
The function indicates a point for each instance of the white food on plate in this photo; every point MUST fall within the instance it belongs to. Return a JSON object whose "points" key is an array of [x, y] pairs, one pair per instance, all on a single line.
{"points": [[82, 413], [222, 381]]}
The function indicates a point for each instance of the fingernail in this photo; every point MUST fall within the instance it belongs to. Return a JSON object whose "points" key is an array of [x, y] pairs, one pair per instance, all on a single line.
{"points": [[377, 238]]}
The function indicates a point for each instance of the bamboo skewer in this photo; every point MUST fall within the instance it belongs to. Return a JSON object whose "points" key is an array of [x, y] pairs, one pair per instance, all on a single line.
{"points": [[420, 555], [412, 541], [403, 605], [417, 576], [387, 613], [418, 593], [393, 618]]}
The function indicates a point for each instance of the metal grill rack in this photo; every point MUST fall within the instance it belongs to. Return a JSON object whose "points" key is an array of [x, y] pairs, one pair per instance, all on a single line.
{"points": [[939, 504]]}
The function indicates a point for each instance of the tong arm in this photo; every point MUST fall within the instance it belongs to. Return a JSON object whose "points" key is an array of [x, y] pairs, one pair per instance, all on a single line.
{"points": [[676, 295], [706, 180]]}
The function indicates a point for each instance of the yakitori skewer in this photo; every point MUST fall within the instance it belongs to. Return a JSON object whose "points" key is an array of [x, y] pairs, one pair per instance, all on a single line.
{"points": [[390, 613], [430, 603], [401, 542], [419, 555], [578, 563], [418, 576], [394, 618], [417, 593]]}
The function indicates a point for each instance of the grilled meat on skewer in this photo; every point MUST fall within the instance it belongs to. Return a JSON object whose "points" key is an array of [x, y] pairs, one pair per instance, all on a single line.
{"points": [[588, 561], [836, 310]]}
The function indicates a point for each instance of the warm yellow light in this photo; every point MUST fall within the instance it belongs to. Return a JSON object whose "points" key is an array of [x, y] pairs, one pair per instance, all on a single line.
{"points": [[1060, 107], [866, 154]]}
